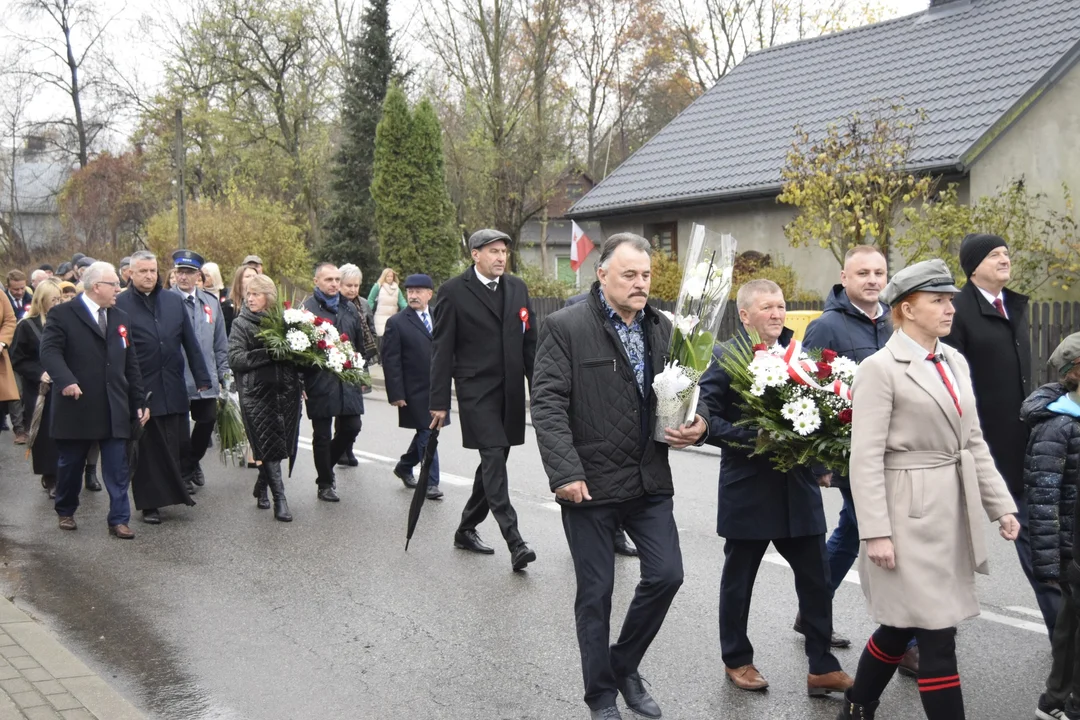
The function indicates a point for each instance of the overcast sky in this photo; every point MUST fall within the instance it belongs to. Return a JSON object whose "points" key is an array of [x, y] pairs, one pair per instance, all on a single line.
{"points": [[138, 49]]}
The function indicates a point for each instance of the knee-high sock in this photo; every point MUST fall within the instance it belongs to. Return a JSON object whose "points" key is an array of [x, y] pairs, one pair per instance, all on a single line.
{"points": [[939, 678], [882, 654]]}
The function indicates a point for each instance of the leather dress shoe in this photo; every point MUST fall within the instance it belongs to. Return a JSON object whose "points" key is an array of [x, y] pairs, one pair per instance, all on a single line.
{"points": [[836, 641], [90, 479], [469, 540], [347, 459], [606, 713], [821, 685], [197, 477], [409, 480], [151, 517], [623, 546], [909, 664], [746, 677], [121, 531], [327, 494], [20, 438], [67, 522], [522, 557], [434, 493], [637, 697]]}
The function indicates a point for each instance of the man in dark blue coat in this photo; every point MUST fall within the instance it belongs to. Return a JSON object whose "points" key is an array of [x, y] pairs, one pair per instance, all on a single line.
{"points": [[162, 334], [329, 400], [756, 505], [97, 394], [855, 325], [406, 359]]}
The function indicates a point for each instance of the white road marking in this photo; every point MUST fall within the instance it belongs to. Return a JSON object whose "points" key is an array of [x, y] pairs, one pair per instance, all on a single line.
{"points": [[367, 457], [1025, 611], [554, 506], [853, 578]]}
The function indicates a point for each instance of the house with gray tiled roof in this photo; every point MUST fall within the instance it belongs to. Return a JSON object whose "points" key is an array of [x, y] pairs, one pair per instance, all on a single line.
{"points": [[32, 211], [998, 80]]}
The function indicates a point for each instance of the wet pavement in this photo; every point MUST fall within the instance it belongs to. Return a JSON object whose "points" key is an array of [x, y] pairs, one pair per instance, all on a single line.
{"points": [[223, 613]]}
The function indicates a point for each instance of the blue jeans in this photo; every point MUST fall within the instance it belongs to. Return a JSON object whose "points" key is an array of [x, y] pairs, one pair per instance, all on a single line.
{"points": [[415, 454], [843, 544], [114, 475], [1047, 596]]}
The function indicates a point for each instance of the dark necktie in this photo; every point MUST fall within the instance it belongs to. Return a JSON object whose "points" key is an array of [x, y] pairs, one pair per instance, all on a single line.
{"points": [[102, 321], [427, 323], [1000, 307], [190, 300], [938, 360], [493, 286]]}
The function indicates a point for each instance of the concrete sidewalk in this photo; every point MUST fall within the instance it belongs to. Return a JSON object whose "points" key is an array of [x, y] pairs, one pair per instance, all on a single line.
{"points": [[40, 680]]}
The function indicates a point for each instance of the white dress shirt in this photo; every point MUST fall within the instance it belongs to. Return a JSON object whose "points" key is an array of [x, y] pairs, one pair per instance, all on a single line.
{"points": [[486, 280], [991, 298], [92, 306]]}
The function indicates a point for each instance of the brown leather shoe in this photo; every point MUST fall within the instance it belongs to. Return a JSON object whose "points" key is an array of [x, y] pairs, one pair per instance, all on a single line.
{"points": [[746, 677], [67, 522], [821, 685], [121, 531], [909, 665]]}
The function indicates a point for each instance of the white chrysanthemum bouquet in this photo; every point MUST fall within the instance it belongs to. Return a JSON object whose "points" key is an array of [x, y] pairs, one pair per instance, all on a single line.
{"points": [[706, 285], [299, 336], [800, 402]]}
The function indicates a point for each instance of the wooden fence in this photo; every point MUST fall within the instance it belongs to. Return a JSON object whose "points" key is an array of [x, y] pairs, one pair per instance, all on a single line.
{"points": [[1050, 323]]}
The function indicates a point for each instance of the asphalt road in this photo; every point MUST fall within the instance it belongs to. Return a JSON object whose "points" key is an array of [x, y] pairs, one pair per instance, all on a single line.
{"points": [[221, 612]]}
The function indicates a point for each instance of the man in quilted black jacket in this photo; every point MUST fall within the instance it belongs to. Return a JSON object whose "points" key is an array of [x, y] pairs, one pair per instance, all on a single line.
{"points": [[1051, 478], [594, 414]]}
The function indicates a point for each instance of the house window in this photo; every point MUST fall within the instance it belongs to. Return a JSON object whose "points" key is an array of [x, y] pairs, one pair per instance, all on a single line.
{"points": [[664, 236], [564, 272]]}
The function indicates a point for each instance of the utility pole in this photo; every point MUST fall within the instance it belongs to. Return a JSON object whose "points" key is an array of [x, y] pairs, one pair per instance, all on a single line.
{"points": [[180, 194]]}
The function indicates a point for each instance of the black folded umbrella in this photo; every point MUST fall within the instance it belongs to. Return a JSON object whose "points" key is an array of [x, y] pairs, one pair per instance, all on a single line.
{"points": [[137, 430], [420, 493], [39, 411]]}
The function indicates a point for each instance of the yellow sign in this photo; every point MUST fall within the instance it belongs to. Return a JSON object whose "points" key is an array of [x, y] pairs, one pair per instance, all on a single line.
{"points": [[798, 320]]}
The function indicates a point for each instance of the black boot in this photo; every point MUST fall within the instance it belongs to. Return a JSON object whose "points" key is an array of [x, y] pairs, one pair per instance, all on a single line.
{"points": [[260, 490], [277, 489], [855, 711], [90, 478]]}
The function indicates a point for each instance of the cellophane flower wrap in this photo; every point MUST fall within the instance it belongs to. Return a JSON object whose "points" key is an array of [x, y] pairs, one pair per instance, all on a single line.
{"points": [[232, 439], [799, 402], [706, 285], [304, 339]]}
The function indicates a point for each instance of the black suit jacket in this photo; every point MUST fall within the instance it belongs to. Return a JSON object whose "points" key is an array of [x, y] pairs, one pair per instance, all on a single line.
{"points": [[163, 334], [755, 501], [406, 360], [488, 350], [998, 351], [74, 352]]}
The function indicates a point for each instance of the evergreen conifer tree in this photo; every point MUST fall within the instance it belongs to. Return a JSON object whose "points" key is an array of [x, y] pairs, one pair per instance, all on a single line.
{"points": [[351, 222]]}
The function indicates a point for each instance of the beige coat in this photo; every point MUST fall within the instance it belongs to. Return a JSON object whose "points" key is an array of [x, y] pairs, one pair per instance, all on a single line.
{"points": [[919, 472], [8, 389]]}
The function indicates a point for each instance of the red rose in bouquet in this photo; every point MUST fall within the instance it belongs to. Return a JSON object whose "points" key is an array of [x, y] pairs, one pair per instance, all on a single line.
{"points": [[824, 370], [844, 416], [828, 355]]}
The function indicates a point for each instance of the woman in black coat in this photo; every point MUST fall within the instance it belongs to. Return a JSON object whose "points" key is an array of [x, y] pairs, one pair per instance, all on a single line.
{"points": [[25, 359], [269, 396]]}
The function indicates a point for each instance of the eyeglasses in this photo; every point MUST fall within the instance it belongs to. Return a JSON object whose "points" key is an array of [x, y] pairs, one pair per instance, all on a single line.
{"points": [[114, 283]]}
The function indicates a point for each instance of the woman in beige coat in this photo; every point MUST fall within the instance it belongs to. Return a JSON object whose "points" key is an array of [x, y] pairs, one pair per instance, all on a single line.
{"points": [[8, 389], [921, 475]]}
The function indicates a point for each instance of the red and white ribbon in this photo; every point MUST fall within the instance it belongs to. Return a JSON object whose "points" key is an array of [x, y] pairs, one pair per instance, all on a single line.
{"points": [[209, 314], [803, 372], [123, 335]]}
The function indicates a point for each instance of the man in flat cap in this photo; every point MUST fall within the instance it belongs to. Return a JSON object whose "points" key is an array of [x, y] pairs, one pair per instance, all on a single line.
{"points": [[1051, 477], [254, 261], [82, 264], [406, 360], [485, 339], [990, 329], [204, 311], [124, 269]]}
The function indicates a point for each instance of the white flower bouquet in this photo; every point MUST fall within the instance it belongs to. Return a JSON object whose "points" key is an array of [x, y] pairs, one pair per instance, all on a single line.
{"points": [[800, 403], [299, 336], [706, 285]]}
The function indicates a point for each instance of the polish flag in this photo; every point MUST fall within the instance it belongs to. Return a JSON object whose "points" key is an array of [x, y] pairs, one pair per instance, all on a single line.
{"points": [[580, 246]]}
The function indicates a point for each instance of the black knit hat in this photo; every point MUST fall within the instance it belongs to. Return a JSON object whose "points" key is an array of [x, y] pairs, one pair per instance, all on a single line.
{"points": [[974, 249]]}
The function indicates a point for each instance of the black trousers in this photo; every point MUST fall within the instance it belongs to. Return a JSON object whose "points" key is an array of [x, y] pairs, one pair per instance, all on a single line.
{"points": [[328, 450], [807, 558], [590, 532], [491, 492], [1064, 678], [195, 440]]}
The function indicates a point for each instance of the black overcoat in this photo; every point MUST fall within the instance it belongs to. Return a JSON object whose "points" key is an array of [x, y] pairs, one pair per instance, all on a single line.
{"points": [[754, 500], [161, 331], [486, 341], [998, 351], [406, 360], [73, 351], [327, 395]]}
